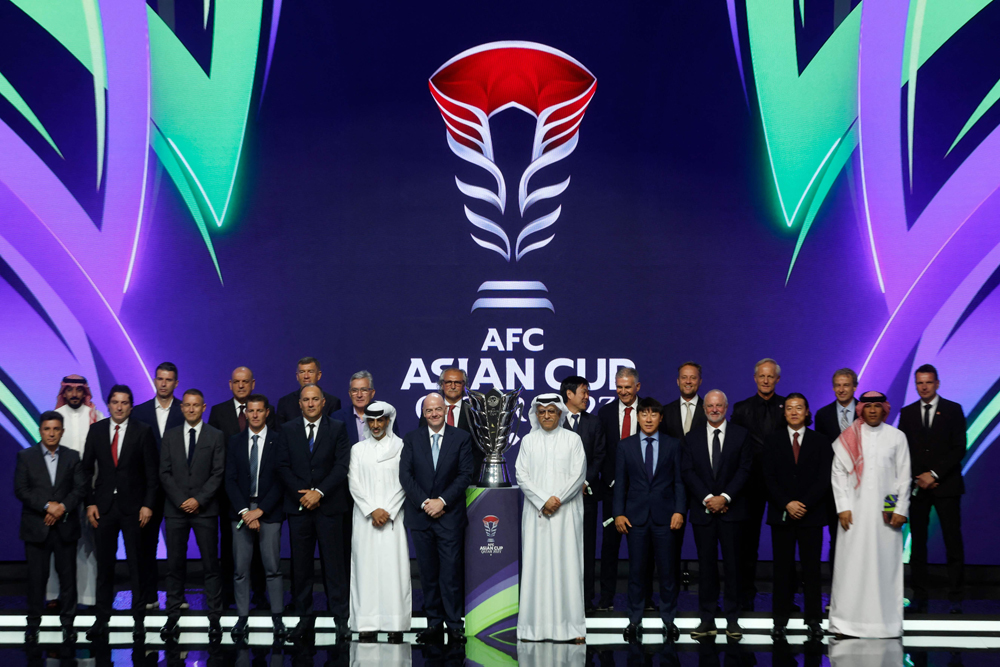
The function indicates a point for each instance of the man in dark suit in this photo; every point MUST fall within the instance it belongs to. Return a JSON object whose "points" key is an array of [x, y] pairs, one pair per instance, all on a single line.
{"points": [[618, 421], [716, 464], [831, 420], [230, 418], [49, 482], [649, 507], [575, 392], [192, 466], [160, 413], [451, 385], [307, 372], [935, 430], [435, 468], [122, 451], [797, 464], [313, 458], [761, 415], [255, 514]]}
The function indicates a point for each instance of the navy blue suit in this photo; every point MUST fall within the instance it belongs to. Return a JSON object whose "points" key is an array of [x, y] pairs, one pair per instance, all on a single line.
{"points": [[438, 543], [711, 530], [269, 489], [649, 504], [592, 433]]}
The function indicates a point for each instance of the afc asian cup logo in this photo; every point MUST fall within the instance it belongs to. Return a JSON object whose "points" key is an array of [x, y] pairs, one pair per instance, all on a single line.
{"points": [[490, 523], [541, 81]]}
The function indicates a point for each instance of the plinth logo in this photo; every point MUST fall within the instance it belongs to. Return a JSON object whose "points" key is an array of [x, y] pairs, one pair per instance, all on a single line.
{"points": [[544, 82], [490, 523]]}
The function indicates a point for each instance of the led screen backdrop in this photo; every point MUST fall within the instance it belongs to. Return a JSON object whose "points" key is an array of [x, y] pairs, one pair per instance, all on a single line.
{"points": [[525, 189]]}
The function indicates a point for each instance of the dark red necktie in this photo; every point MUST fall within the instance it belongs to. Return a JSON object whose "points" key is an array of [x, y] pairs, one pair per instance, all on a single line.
{"points": [[114, 447], [242, 418], [627, 423], [451, 415], [795, 447]]}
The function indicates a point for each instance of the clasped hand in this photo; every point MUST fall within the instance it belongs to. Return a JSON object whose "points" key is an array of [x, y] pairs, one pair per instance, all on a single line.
{"points": [[379, 518], [251, 518], [551, 506], [926, 481], [434, 508], [190, 506], [795, 509], [54, 513], [310, 498], [717, 504]]}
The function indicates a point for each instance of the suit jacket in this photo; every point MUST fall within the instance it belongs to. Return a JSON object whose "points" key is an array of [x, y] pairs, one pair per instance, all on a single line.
{"points": [[464, 423], [608, 416], [224, 417], [34, 489], [737, 457], [200, 480], [269, 489], [642, 499], [136, 477], [808, 481], [346, 415], [828, 420], [421, 480], [324, 469], [288, 407], [590, 431], [672, 423], [940, 449], [146, 413], [745, 414]]}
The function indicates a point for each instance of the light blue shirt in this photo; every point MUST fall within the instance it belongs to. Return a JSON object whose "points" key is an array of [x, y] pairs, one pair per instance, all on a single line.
{"points": [[656, 447]]}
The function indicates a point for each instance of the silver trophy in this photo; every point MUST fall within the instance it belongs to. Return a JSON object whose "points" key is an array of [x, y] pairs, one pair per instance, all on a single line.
{"points": [[495, 418]]}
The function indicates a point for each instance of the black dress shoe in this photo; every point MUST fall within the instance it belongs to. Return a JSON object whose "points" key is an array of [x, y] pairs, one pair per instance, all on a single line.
{"points": [[704, 629], [99, 630], [240, 630], [649, 606], [432, 635], [301, 633], [280, 631], [734, 630], [344, 632], [214, 631], [170, 632], [671, 632], [456, 635], [367, 637], [778, 633], [68, 635], [395, 637], [633, 633], [814, 630], [139, 633], [31, 636]]}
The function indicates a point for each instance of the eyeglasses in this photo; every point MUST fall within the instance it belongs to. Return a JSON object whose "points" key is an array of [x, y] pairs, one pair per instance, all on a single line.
{"points": [[457, 383], [358, 392]]}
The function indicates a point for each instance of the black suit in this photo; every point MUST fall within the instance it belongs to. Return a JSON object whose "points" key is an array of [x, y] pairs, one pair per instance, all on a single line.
{"points": [[149, 536], [940, 449], [711, 530], [34, 488], [828, 424], [119, 492], [438, 543], [673, 425], [184, 475], [323, 469], [590, 431], [288, 407], [807, 481], [464, 423], [761, 418]]}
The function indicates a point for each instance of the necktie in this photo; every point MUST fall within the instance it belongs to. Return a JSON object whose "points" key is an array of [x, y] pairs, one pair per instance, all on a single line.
{"points": [[627, 423], [253, 467], [242, 418], [451, 415], [766, 423], [716, 453], [114, 447], [576, 422], [795, 447], [312, 439], [688, 410], [927, 416], [649, 458], [845, 419], [191, 444], [435, 449]]}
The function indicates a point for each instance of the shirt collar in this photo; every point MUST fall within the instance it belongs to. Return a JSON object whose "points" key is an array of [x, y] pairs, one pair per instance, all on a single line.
{"points": [[51, 455], [237, 404], [262, 434], [934, 404], [721, 427], [655, 436], [622, 406], [156, 404], [431, 433], [693, 401], [113, 424], [306, 421], [196, 427], [801, 432]]}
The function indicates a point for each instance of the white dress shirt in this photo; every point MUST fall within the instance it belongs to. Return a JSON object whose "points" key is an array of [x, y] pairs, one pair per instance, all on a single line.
{"points": [[187, 435], [162, 414], [121, 433], [722, 445], [934, 406], [633, 422], [315, 435], [260, 449]]}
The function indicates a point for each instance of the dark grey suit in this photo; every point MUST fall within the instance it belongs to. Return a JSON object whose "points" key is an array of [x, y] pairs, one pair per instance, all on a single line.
{"points": [[200, 479]]}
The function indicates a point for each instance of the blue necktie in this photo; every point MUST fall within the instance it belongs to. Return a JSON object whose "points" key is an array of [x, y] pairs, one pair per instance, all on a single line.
{"points": [[312, 438], [191, 444], [253, 467], [716, 453], [649, 458], [435, 449]]}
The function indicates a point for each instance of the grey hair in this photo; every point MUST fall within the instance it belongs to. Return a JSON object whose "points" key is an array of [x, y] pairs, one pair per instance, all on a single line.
{"points": [[627, 371], [362, 375], [767, 360], [718, 391], [465, 376]]}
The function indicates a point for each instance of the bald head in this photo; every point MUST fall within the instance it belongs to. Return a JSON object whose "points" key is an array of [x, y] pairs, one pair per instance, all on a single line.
{"points": [[311, 402], [241, 383], [433, 410]]}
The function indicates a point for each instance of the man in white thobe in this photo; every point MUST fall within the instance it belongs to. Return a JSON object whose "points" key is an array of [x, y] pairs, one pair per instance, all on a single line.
{"points": [[871, 486], [551, 468], [380, 557], [75, 403]]}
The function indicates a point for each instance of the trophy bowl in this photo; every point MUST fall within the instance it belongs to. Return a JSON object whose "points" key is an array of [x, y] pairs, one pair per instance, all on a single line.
{"points": [[496, 416]]}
